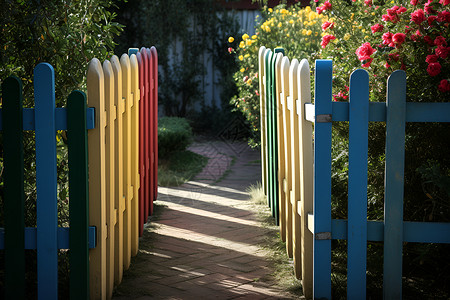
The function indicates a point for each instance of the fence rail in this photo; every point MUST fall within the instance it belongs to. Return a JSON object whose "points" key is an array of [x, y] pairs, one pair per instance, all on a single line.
{"points": [[304, 171], [116, 137]]}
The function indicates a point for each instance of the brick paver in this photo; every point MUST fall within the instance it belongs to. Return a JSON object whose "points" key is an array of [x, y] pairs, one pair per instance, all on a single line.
{"points": [[205, 242]]}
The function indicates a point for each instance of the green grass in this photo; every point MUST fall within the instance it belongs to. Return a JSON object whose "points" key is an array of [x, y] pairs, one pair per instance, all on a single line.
{"points": [[281, 264], [180, 167]]}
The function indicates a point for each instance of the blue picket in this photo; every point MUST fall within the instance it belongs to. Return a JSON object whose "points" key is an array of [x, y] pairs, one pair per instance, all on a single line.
{"points": [[46, 203], [357, 184], [394, 185], [322, 179]]}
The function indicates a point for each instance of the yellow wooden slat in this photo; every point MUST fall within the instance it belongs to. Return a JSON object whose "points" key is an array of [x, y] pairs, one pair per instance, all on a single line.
{"points": [[118, 183], [295, 196], [306, 176], [97, 186], [109, 173], [135, 155], [126, 95], [285, 64]]}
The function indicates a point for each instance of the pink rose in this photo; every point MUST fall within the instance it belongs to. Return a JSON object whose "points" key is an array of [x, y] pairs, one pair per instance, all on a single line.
{"points": [[434, 69], [326, 39], [418, 16], [414, 2], [399, 38], [364, 51], [387, 39], [387, 66], [431, 19], [327, 25], [230, 49], [444, 2], [444, 86], [444, 16], [368, 2], [377, 28]]}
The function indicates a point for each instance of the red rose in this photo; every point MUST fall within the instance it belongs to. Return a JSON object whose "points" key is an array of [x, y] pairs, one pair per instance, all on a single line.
{"points": [[418, 16], [431, 58], [444, 16], [442, 51], [414, 2], [326, 39], [434, 69], [444, 2], [327, 25], [444, 86], [431, 19], [366, 62], [387, 66], [230, 49], [368, 2], [440, 40], [399, 38], [394, 56], [428, 40], [377, 28]]}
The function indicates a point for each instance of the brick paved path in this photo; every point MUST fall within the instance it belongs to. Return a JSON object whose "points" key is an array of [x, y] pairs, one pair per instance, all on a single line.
{"points": [[204, 243]]}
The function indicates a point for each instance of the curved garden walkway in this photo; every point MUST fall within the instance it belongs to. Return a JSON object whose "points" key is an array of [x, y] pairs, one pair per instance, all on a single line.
{"points": [[204, 243]]}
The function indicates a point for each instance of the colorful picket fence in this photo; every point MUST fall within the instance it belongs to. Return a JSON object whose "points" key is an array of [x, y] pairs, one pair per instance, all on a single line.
{"points": [[47, 238], [304, 171], [113, 143]]}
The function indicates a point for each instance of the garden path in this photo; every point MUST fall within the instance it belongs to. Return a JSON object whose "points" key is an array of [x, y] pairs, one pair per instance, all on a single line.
{"points": [[204, 241]]}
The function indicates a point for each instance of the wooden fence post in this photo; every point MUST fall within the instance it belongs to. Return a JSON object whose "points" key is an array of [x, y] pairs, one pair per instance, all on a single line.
{"points": [[46, 202], [322, 180], [262, 117], [78, 196], [110, 169], [97, 186], [155, 123], [306, 176], [14, 199], [357, 184], [394, 185]]}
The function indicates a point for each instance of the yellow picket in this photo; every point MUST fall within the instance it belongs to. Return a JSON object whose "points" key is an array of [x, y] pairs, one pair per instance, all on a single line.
{"points": [[111, 210], [306, 176], [262, 108], [295, 194], [119, 196], [127, 188], [287, 183], [281, 144], [135, 154], [97, 184]]}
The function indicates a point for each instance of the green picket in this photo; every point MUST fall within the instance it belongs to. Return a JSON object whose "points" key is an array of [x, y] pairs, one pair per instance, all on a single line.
{"points": [[13, 188], [78, 196]]}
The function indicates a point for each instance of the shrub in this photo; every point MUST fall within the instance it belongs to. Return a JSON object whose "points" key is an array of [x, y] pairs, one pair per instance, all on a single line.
{"points": [[174, 134], [296, 29]]}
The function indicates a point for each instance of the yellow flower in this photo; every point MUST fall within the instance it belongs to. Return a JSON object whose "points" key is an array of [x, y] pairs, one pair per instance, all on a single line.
{"points": [[242, 70], [241, 57], [346, 37], [373, 14], [307, 9], [249, 82], [242, 44], [288, 35], [308, 32], [248, 42], [270, 10], [267, 29], [352, 16], [254, 37], [304, 31], [247, 55], [284, 11], [279, 24], [366, 37], [230, 39], [245, 36], [291, 21]]}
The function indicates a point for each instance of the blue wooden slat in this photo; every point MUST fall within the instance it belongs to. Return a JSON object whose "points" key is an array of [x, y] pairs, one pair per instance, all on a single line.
{"points": [[132, 51], [322, 180], [46, 203], [63, 238], [357, 184], [413, 232], [394, 185], [60, 115], [415, 112]]}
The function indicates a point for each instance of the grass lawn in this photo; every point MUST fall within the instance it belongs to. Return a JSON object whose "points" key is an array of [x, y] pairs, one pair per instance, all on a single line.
{"points": [[180, 167]]}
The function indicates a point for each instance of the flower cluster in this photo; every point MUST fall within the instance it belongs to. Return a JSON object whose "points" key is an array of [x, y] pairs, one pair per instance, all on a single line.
{"points": [[297, 30]]}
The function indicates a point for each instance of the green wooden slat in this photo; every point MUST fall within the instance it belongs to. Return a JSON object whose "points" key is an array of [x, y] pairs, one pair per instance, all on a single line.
{"points": [[13, 189], [78, 196]]}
